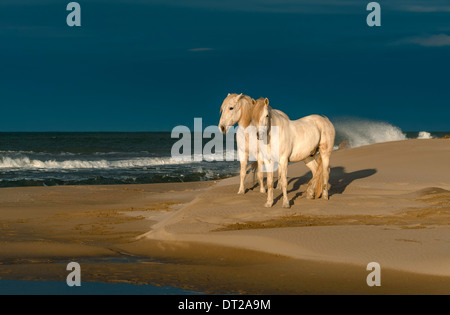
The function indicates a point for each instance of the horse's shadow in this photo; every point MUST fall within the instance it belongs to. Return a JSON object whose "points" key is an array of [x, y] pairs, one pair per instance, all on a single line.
{"points": [[339, 181]]}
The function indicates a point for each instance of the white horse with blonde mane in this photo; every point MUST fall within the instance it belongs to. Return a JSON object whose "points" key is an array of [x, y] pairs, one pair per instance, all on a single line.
{"points": [[238, 108], [283, 140]]}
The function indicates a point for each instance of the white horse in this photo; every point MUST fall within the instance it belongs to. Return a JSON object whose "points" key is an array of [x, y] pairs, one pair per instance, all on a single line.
{"points": [[238, 108], [283, 140]]}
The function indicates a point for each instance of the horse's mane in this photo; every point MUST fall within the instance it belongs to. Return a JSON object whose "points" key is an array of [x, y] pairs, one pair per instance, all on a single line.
{"points": [[273, 113], [277, 113], [247, 106]]}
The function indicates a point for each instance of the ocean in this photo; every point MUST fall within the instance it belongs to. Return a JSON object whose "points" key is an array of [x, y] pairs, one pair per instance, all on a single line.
{"points": [[101, 158], [107, 158]]}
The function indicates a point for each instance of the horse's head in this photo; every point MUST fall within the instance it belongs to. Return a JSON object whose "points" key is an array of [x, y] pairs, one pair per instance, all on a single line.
{"points": [[261, 117], [231, 111]]}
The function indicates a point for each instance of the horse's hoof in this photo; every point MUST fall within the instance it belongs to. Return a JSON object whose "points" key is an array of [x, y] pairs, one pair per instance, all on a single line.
{"points": [[286, 205], [241, 192], [268, 204], [262, 190], [309, 197]]}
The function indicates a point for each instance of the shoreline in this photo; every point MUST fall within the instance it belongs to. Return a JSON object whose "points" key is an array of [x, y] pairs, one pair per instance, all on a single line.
{"points": [[387, 204]]}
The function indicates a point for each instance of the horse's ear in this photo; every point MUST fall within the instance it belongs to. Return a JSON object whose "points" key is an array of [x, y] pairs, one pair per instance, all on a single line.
{"points": [[238, 100], [228, 94], [266, 101], [253, 101]]}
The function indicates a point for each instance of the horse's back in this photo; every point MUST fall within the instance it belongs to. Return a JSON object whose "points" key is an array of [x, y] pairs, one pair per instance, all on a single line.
{"points": [[323, 126], [323, 122], [307, 122]]}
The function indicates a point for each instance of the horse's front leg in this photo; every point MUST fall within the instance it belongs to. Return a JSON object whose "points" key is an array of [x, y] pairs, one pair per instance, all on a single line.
{"points": [[269, 169], [243, 158], [262, 189], [242, 177]]}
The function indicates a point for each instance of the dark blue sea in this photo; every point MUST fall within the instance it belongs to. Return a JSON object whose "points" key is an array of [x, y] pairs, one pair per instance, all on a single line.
{"points": [[48, 159]]}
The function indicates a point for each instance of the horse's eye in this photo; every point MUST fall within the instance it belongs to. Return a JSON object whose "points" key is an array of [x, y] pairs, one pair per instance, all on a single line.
{"points": [[231, 108], [267, 116]]}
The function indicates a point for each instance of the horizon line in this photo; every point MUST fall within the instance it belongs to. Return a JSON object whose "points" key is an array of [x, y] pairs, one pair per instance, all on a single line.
{"points": [[147, 131]]}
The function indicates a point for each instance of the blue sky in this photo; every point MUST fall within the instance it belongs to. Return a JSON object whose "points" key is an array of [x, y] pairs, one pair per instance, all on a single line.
{"points": [[143, 65]]}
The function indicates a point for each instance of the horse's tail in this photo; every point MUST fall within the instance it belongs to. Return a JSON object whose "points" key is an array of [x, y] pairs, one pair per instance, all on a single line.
{"points": [[319, 178]]}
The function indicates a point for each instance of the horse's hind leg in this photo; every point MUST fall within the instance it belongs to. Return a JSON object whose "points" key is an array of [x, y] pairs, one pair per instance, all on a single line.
{"points": [[269, 169], [279, 181], [325, 150], [325, 154], [311, 163], [282, 175]]}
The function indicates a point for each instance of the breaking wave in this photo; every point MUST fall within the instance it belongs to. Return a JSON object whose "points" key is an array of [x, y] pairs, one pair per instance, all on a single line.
{"points": [[424, 135], [356, 132], [26, 163]]}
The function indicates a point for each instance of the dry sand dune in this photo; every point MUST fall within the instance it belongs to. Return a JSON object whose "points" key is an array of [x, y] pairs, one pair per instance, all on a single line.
{"points": [[390, 203]]}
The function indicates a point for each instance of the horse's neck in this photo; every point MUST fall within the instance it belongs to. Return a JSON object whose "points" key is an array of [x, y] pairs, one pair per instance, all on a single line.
{"points": [[279, 118], [246, 114]]}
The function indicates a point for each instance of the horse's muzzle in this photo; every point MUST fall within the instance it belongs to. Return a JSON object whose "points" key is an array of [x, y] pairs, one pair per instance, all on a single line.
{"points": [[223, 129]]}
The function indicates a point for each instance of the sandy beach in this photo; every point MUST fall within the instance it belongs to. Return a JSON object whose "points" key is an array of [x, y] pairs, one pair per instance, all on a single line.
{"points": [[389, 203]]}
